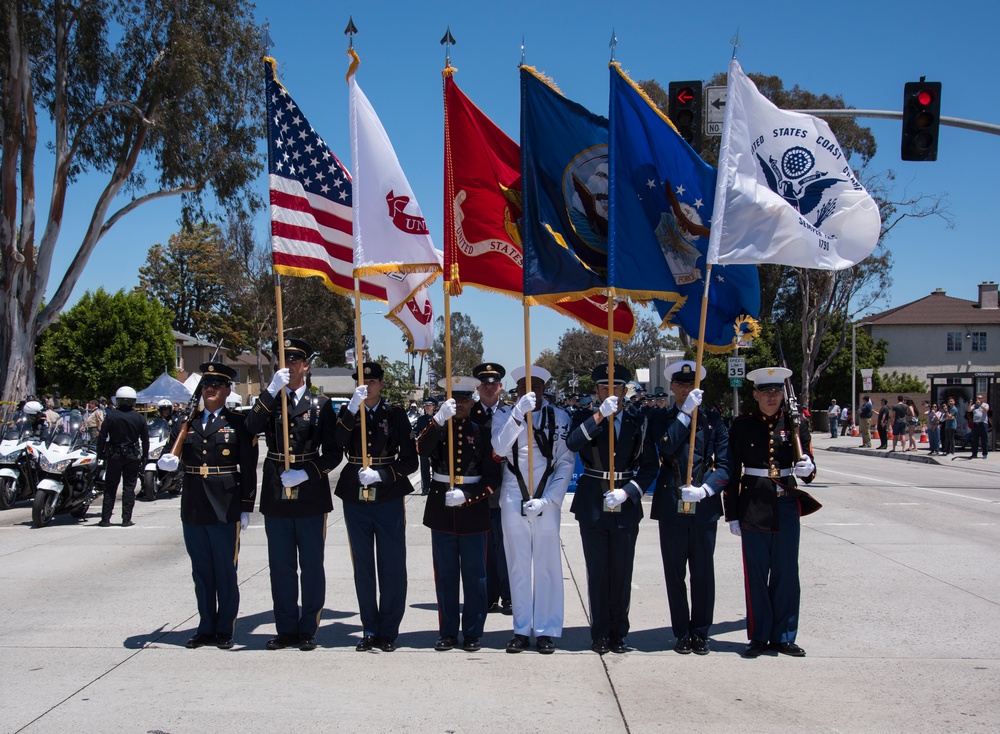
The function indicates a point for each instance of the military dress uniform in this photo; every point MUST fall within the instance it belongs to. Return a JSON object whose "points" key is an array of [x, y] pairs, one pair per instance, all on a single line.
{"points": [[375, 517], [295, 518], [425, 463], [219, 456], [609, 534], [768, 504], [534, 554], [687, 541], [459, 534]]}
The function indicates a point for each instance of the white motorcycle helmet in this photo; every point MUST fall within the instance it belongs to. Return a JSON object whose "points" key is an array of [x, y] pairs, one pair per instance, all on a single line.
{"points": [[32, 408], [164, 404], [125, 397]]}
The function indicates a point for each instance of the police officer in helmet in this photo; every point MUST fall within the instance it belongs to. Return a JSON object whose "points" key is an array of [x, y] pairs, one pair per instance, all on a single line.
{"points": [[123, 444]]}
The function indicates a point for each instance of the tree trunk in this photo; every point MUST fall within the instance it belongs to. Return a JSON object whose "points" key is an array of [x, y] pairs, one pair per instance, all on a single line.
{"points": [[17, 341]]}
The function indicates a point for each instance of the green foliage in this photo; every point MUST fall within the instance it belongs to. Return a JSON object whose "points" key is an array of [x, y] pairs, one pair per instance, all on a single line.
{"points": [[466, 347], [398, 385], [898, 383], [106, 341]]}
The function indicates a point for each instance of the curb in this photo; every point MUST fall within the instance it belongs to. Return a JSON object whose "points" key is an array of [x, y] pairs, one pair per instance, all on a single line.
{"points": [[897, 455]]}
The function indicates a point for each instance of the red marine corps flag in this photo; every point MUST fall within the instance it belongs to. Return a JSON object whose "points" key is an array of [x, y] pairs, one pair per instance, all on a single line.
{"points": [[482, 206]]}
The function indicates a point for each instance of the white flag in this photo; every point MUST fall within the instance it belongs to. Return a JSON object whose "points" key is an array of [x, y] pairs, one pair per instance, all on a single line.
{"points": [[786, 193]]}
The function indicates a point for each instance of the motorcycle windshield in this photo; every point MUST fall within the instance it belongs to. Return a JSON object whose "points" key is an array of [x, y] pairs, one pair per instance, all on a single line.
{"points": [[158, 429]]}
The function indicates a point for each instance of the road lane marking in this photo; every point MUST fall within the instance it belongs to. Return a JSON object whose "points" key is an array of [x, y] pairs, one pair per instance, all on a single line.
{"points": [[910, 486]]}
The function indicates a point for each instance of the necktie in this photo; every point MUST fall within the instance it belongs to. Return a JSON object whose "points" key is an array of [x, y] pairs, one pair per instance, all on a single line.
{"points": [[209, 420]]}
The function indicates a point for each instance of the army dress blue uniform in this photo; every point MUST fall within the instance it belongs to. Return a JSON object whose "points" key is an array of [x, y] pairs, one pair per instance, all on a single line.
{"points": [[219, 456], [768, 504], [376, 520], [687, 541], [609, 537], [295, 521], [459, 534]]}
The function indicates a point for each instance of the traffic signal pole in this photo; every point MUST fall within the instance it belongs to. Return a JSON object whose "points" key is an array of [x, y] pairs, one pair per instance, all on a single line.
{"points": [[982, 127]]}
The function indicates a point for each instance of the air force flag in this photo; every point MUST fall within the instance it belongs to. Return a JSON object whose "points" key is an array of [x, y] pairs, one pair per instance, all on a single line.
{"points": [[786, 193]]}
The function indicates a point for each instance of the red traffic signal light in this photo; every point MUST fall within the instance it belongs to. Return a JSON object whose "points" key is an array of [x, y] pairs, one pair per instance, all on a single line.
{"points": [[685, 111], [921, 120]]}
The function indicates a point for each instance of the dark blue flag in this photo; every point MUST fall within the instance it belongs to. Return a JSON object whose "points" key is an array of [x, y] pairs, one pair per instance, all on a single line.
{"points": [[564, 166], [660, 210]]}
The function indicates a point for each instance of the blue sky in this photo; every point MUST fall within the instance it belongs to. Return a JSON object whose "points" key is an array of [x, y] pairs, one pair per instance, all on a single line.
{"points": [[863, 51]]}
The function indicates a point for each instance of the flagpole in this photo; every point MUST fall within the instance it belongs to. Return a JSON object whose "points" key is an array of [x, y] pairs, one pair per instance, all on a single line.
{"points": [[611, 387], [281, 362], [359, 358], [527, 389], [687, 507], [447, 375]]}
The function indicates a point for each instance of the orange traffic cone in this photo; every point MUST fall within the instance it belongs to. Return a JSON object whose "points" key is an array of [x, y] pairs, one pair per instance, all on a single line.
{"points": [[890, 436], [923, 435], [855, 432]]}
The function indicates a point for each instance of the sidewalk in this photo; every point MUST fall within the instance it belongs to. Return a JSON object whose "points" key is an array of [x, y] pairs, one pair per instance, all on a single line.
{"points": [[852, 445]]}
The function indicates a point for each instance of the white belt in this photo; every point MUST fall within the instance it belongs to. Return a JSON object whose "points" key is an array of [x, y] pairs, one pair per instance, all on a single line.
{"points": [[751, 472], [459, 479]]}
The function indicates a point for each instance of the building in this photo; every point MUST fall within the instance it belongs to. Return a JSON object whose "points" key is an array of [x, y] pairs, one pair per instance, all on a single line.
{"points": [[190, 352]]}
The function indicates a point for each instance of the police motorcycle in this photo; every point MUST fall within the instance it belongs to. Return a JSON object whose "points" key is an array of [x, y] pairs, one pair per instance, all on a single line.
{"points": [[64, 471], [155, 479], [27, 427]]}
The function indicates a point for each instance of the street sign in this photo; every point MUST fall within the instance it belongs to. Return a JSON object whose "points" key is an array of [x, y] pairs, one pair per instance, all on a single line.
{"points": [[735, 382], [715, 110], [737, 369]]}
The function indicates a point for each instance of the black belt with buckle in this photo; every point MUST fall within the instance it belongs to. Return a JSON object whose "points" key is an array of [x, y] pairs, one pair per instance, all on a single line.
{"points": [[205, 470], [372, 460], [293, 458], [598, 474]]}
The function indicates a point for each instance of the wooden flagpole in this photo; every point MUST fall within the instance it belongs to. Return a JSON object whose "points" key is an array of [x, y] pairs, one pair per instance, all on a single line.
{"points": [[687, 507], [289, 493], [359, 358], [611, 388], [527, 389], [447, 375]]}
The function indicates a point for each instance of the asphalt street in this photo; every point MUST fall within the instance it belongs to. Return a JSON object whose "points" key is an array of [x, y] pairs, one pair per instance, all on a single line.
{"points": [[900, 619]]}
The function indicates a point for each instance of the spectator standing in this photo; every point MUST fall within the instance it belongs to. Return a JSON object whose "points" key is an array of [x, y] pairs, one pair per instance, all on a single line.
{"points": [[948, 425], [933, 428], [93, 420], [845, 419], [865, 413], [979, 414], [899, 422], [884, 421], [912, 421], [834, 412]]}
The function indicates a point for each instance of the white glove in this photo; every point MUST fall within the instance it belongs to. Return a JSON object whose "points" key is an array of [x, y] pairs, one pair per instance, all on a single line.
{"points": [[168, 462], [615, 497], [293, 477], [734, 528], [368, 476], [804, 467], [523, 406], [244, 520], [610, 406], [447, 410], [280, 379], [692, 401], [360, 393], [534, 507], [454, 497], [694, 494]]}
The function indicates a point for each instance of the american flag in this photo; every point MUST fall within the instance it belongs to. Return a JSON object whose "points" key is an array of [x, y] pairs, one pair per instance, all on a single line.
{"points": [[311, 199]]}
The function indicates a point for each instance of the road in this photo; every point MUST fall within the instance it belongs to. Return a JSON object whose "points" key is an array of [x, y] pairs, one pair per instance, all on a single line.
{"points": [[900, 618]]}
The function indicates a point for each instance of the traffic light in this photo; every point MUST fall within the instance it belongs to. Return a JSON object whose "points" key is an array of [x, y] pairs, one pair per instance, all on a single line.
{"points": [[921, 119], [684, 111]]}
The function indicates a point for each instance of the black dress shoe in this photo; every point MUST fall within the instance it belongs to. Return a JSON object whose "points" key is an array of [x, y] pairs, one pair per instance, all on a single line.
{"points": [[307, 642], [223, 641], [619, 646], [506, 607], [494, 608], [471, 644], [600, 646], [385, 644], [755, 649], [283, 640], [544, 645], [700, 646], [683, 645], [200, 640], [127, 523], [788, 648], [367, 643], [445, 643], [518, 643], [104, 524]]}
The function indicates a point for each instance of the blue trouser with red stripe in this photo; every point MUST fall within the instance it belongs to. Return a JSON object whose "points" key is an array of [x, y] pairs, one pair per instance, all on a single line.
{"points": [[460, 560], [771, 577]]}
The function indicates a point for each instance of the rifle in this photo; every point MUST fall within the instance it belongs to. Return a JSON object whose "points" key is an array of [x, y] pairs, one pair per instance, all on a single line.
{"points": [[178, 446], [794, 416]]}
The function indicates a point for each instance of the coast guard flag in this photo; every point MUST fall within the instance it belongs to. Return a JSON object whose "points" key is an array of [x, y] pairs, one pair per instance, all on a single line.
{"points": [[311, 199], [564, 165], [660, 199], [786, 193], [390, 234], [482, 244]]}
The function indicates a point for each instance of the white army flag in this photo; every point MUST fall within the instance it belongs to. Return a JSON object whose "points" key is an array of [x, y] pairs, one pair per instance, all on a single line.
{"points": [[786, 193]]}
